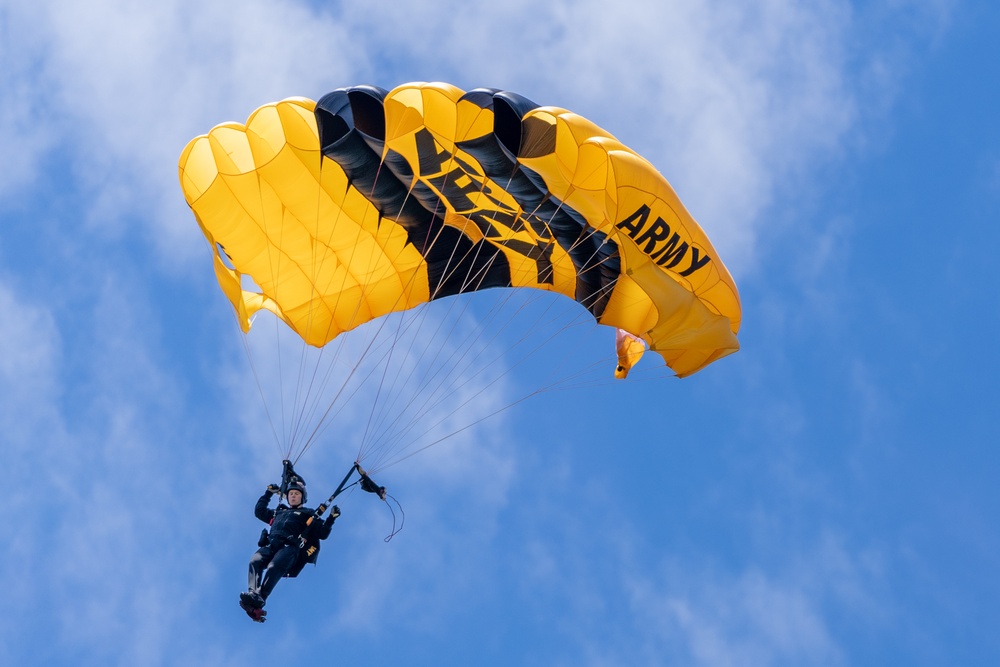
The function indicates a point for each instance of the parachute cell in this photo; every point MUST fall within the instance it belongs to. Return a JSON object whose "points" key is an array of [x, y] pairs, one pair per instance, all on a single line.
{"points": [[372, 201]]}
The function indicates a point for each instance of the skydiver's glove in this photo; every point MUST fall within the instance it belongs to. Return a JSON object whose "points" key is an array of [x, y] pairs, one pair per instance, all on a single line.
{"points": [[334, 513], [273, 489]]}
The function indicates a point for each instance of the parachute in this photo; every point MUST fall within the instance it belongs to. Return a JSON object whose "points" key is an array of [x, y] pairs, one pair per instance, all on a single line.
{"points": [[330, 214]]}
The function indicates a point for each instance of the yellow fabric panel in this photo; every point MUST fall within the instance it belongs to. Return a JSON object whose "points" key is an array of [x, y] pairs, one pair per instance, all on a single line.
{"points": [[687, 335], [630, 307], [323, 259], [472, 121]]}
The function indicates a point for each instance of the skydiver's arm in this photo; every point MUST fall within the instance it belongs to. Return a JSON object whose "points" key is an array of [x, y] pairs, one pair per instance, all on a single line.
{"points": [[326, 526], [261, 510], [323, 530]]}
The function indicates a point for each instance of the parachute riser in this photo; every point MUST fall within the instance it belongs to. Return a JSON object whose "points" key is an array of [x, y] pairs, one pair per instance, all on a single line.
{"points": [[340, 489], [366, 482], [321, 509], [288, 476]]}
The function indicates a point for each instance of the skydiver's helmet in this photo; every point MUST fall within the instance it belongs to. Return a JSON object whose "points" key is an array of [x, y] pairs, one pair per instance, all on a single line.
{"points": [[297, 485]]}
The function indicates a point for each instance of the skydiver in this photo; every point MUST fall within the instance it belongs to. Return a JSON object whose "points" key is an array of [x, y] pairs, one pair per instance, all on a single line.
{"points": [[290, 543]]}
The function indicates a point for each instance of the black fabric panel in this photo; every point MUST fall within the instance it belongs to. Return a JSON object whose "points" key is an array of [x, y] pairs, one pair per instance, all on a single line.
{"points": [[357, 108]]}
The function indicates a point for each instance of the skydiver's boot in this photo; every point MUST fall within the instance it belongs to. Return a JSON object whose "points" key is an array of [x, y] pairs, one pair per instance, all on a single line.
{"points": [[256, 615], [251, 600], [253, 605]]}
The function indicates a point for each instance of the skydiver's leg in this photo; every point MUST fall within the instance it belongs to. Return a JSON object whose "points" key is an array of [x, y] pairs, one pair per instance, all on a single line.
{"points": [[277, 568], [258, 562]]}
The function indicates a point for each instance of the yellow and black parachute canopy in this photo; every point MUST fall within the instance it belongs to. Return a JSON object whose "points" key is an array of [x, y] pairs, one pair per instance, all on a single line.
{"points": [[372, 201]]}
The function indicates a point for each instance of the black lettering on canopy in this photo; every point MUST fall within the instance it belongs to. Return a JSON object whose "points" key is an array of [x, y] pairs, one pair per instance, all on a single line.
{"points": [[635, 222], [664, 248], [658, 231], [457, 186], [451, 256], [595, 257], [696, 261], [431, 159], [672, 253], [486, 221]]}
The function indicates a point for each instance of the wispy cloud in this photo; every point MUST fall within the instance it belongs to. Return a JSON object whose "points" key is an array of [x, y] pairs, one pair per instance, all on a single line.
{"points": [[679, 610], [99, 542], [722, 98]]}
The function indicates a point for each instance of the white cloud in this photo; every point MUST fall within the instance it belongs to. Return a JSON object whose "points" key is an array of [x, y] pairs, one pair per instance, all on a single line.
{"points": [[120, 89], [784, 613], [623, 607], [29, 421], [23, 139], [92, 448], [28, 366], [729, 101], [752, 619]]}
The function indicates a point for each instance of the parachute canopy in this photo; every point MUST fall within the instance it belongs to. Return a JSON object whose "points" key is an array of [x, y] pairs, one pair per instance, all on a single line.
{"points": [[332, 213]]}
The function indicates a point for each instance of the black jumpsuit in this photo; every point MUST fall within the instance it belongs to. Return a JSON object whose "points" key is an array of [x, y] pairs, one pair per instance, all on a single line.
{"points": [[282, 552]]}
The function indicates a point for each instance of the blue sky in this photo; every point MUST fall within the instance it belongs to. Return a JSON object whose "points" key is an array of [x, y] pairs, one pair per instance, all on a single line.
{"points": [[826, 496]]}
